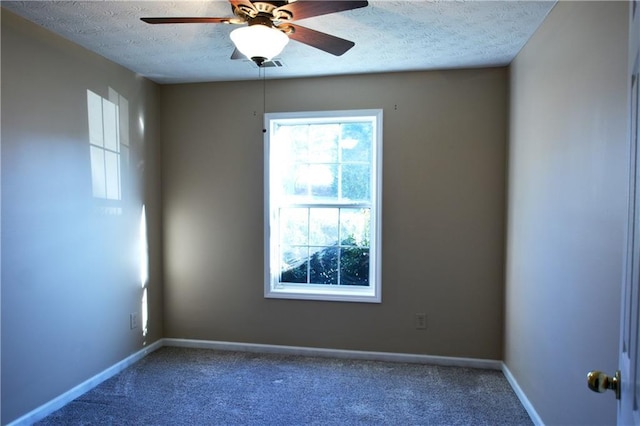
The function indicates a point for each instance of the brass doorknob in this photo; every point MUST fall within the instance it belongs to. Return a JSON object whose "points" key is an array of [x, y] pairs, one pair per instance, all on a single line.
{"points": [[600, 382]]}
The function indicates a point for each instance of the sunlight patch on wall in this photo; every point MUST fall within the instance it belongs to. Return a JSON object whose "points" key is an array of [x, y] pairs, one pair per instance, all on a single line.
{"points": [[144, 269], [123, 122], [108, 147], [141, 124], [144, 250], [104, 147]]}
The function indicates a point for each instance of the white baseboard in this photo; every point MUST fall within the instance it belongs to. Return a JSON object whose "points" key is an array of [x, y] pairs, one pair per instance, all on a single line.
{"points": [[535, 418], [57, 403], [336, 353]]}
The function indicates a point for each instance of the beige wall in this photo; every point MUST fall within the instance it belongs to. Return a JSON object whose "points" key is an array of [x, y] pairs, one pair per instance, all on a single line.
{"points": [[443, 213], [567, 209], [70, 272]]}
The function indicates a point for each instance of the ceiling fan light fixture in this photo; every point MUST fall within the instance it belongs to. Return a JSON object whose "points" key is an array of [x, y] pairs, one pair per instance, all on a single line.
{"points": [[259, 42]]}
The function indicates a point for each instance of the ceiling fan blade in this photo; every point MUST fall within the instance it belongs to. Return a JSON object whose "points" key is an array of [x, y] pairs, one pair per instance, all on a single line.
{"points": [[302, 9], [202, 20], [323, 41]]}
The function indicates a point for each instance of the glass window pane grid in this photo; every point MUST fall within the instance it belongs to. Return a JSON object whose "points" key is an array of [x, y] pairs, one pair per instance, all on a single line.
{"points": [[341, 201], [313, 248], [323, 135]]}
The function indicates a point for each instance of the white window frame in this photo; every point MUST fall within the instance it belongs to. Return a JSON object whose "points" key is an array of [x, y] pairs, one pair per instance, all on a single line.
{"points": [[343, 293]]}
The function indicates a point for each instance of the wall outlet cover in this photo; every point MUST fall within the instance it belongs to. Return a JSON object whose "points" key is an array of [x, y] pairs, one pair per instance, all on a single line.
{"points": [[133, 320], [421, 321]]}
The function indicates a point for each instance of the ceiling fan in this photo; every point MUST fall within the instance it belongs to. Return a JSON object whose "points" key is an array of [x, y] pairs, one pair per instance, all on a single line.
{"points": [[269, 26]]}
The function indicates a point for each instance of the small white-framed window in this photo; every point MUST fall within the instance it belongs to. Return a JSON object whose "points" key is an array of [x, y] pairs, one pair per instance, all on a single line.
{"points": [[323, 198]]}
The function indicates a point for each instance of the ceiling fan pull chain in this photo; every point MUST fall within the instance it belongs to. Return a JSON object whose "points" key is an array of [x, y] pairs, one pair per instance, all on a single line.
{"points": [[264, 94]]}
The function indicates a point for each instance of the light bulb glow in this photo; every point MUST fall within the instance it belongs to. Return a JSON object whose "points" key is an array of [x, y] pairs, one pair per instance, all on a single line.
{"points": [[259, 41]]}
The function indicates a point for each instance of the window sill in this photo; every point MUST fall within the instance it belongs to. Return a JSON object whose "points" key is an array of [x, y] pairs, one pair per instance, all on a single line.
{"points": [[333, 294]]}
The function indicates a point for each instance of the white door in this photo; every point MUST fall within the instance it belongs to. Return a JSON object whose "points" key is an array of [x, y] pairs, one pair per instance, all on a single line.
{"points": [[629, 362], [626, 381]]}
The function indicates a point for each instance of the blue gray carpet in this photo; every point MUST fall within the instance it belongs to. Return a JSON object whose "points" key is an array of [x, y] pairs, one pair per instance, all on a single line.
{"points": [[180, 386]]}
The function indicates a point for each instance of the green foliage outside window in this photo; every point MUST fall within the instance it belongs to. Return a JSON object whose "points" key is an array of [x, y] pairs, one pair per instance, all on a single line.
{"points": [[351, 260]]}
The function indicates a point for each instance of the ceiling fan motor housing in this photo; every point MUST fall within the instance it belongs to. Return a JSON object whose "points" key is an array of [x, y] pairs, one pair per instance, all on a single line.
{"points": [[264, 10]]}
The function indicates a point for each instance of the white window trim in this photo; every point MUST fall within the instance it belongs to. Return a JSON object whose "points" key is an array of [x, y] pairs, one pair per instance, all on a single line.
{"points": [[370, 294]]}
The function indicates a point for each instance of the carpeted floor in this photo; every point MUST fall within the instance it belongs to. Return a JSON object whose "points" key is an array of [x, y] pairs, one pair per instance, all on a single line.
{"points": [[180, 386]]}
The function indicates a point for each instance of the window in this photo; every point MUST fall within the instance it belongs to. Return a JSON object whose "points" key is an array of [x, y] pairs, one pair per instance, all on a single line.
{"points": [[323, 187]]}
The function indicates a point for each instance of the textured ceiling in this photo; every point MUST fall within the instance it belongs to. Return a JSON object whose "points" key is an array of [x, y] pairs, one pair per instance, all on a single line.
{"points": [[388, 35]]}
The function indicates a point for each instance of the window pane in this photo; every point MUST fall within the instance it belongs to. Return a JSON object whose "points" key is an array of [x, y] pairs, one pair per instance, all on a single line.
{"points": [[323, 180], [355, 182], [324, 265], [296, 142], [354, 266], [323, 227], [355, 142], [323, 143], [295, 180], [294, 226], [354, 227], [293, 265]]}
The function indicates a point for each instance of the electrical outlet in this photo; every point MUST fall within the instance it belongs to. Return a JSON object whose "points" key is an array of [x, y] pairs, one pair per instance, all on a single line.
{"points": [[133, 320], [421, 321]]}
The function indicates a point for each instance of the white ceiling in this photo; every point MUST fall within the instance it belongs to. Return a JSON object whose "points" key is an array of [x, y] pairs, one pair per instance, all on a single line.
{"points": [[389, 36]]}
